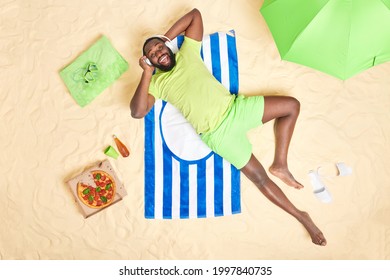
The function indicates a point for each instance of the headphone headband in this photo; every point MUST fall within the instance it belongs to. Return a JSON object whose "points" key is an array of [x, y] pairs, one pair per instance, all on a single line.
{"points": [[159, 36]]}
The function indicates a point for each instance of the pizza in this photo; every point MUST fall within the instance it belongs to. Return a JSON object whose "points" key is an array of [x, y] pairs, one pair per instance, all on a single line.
{"points": [[100, 195]]}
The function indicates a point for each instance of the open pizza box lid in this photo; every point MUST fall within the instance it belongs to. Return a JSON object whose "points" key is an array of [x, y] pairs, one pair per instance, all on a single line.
{"points": [[88, 178]]}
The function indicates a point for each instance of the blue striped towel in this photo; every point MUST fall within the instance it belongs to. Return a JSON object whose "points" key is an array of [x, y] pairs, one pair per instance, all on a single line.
{"points": [[183, 177]]}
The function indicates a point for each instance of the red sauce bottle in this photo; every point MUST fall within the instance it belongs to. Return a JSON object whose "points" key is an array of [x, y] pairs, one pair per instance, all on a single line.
{"points": [[121, 147]]}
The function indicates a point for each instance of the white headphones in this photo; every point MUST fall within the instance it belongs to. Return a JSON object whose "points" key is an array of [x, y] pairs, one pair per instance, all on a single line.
{"points": [[167, 42]]}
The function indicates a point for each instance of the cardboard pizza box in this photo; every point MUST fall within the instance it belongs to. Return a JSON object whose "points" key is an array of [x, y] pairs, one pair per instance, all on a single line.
{"points": [[97, 184]]}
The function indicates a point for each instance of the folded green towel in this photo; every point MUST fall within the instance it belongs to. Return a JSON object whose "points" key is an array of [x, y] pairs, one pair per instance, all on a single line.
{"points": [[93, 71]]}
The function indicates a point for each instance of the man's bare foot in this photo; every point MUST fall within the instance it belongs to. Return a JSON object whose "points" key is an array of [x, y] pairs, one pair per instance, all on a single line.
{"points": [[285, 175], [317, 237]]}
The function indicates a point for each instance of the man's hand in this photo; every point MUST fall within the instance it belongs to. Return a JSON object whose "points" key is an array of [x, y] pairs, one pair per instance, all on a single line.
{"points": [[144, 65]]}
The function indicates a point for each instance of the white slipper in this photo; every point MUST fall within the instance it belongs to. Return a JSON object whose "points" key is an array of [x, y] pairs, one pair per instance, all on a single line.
{"points": [[319, 189], [343, 169]]}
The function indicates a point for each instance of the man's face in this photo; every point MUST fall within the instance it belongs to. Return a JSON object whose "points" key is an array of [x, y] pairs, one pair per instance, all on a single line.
{"points": [[160, 55]]}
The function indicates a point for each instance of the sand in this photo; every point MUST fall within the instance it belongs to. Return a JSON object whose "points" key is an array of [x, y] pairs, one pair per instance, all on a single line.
{"points": [[46, 138]]}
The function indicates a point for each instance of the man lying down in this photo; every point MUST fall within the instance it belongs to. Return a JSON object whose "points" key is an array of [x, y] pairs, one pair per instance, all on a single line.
{"points": [[222, 119]]}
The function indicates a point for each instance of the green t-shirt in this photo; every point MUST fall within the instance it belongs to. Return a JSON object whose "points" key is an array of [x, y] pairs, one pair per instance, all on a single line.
{"points": [[192, 89]]}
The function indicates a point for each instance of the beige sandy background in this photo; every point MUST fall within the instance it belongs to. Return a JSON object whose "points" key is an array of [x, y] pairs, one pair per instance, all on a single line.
{"points": [[47, 138]]}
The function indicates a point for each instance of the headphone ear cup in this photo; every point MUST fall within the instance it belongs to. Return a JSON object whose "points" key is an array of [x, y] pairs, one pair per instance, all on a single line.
{"points": [[148, 62], [169, 45], [172, 46]]}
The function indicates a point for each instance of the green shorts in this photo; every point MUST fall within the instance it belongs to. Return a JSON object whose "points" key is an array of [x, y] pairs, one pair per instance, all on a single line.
{"points": [[230, 139]]}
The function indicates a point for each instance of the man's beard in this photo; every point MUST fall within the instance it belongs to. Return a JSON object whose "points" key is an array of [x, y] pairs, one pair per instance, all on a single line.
{"points": [[169, 67]]}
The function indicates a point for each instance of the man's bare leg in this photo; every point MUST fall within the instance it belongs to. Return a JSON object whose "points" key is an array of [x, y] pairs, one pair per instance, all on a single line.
{"points": [[256, 173], [285, 111]]}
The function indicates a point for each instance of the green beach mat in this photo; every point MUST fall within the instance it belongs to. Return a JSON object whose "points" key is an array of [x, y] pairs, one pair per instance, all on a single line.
{"points": [[93, 71]]}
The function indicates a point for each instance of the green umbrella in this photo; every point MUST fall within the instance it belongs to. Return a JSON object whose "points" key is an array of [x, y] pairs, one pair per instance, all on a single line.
{"points": [[338, 37]]}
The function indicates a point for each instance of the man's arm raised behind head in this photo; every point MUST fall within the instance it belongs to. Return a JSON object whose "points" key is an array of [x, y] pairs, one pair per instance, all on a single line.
{"points": [[191, 24]]}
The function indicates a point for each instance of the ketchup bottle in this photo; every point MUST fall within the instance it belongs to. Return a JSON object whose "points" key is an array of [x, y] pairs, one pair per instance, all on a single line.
{"points": [[121, 147]]}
